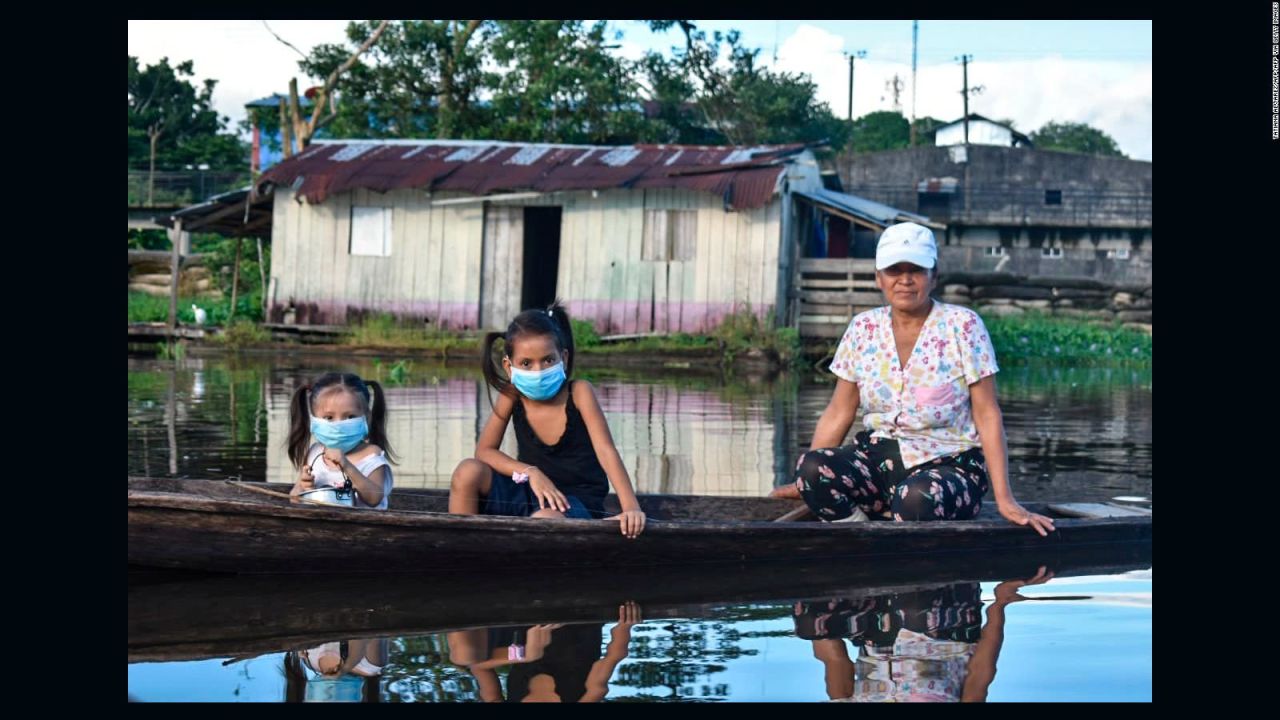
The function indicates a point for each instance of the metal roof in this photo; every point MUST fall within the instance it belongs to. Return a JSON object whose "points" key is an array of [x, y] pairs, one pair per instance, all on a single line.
{"points": [[746, 176], [862, 208], [230, 214]]}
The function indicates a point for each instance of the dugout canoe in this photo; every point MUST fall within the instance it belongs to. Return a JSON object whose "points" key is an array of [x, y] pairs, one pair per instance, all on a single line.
{"points": [[220, 526]]}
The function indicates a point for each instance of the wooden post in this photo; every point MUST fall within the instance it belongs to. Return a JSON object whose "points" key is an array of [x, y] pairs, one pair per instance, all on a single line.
{"points": [[262, 275], [235, 280], [175, 239]]}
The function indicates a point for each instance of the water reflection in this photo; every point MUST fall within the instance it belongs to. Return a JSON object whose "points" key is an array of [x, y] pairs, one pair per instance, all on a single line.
{"points": [[920, 646], [546, 662], [915, 642], [344, 671], [1074, 433]]}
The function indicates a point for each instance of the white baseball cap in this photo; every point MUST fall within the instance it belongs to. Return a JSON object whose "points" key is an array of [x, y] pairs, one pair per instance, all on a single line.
{"points": [[906, 242]]}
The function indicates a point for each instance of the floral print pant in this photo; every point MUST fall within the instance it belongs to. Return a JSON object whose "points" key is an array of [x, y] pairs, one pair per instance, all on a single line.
{"points": [[869, 474]]}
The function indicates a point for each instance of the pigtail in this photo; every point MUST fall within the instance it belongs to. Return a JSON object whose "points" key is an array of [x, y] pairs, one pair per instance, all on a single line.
{"points": [[295, 679], [378, 419], [299, 425], [493, 376], [565, 329]]}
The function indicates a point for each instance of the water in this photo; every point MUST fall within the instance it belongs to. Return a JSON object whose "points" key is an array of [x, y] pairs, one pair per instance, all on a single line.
{"points": [[1075, 434], [1082, 434], [1088, 639]]}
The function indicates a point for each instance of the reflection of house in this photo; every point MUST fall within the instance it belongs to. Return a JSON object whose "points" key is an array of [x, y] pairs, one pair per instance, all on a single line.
{"points": [[464, 234], [672, 440], [1025, 211]]}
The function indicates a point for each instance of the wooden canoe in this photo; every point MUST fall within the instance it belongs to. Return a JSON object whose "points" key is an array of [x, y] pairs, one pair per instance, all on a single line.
{"points": [[211, 616], [216, 526]]}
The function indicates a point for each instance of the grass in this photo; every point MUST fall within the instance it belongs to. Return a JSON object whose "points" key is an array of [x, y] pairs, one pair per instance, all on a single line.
{"points": [[1075, 342], [242, 333], [738, 333], [150, 308], [384, 331]]}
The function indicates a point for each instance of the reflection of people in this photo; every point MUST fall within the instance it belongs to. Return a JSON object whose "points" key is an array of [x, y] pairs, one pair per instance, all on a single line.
{"points": [[549, 663], [923, 372], [566, 460], [349, 427], [925, 646], [347, 671]]}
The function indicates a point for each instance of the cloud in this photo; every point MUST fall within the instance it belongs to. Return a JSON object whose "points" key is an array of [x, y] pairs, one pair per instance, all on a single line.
{"points": [[1112, 96], [241, 55]]}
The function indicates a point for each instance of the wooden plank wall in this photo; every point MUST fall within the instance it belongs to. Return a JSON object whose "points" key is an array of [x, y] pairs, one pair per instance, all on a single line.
{"points": [[442, 256], [434, 270], [830, 291]]}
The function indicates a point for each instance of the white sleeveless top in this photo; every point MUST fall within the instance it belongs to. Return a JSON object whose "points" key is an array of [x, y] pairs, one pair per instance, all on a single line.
{"points": [[331, 477]]}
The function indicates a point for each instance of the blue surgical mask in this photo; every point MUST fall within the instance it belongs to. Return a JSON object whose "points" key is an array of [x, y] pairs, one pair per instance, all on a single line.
{"points": [[539, 384], [341, 434]]}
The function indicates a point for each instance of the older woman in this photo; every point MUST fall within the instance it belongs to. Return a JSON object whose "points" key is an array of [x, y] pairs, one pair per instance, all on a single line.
{"points": [[923, 371]]}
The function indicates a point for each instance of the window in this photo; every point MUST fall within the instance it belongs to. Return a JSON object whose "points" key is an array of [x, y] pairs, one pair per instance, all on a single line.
{"points": [[669, 235], [1052, 197], [1051, 252], [371, 231], [997, 251], [1119, 253]]}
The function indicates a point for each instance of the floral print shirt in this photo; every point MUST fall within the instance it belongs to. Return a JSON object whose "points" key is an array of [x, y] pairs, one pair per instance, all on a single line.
{"points": [[924, 405]]}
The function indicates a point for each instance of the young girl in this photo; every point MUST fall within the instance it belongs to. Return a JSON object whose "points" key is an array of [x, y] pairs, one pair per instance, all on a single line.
{"points": [[567, 459], [350, 431]]}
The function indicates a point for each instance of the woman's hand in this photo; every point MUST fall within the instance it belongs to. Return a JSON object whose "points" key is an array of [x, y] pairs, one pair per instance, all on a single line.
{"points": [[632, 522], [548, 495], [1007, 591], [628, 615], [1012, 511]]}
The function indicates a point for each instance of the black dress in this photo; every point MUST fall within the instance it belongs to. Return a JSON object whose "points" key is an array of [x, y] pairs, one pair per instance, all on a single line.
{"points": [[570, 463]]}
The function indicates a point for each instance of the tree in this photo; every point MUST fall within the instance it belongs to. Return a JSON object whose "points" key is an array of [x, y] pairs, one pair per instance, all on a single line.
{"points": [[561, 84], [172, 124], [1076, 138], [421, 79], [299, 130], [880, 130], [741, 102]]}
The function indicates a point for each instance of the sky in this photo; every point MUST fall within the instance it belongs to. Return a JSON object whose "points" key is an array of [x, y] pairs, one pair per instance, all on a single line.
{"points": [[1031, 71]]}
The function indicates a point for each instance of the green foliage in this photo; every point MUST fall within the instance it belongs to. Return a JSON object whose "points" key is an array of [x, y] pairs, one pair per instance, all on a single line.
{"points": [[242, 333], [148, 240], [387, 331], [165, 105], [220, 255], [559, 81], [151, 308], [584, 334], [880, 130], [1076, 138], [1073, 342]]}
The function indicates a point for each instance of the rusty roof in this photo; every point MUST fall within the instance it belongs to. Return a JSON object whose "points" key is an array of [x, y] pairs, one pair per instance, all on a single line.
{"points": [[746, 176]]}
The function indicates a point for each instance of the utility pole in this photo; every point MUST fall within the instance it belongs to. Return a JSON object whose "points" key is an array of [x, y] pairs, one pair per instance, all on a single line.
{"points": [[964, 60], [915, 39], [857, 53]]}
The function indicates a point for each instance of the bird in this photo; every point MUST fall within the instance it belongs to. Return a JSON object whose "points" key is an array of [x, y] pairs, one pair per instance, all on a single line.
{"points": [[200, 313]]}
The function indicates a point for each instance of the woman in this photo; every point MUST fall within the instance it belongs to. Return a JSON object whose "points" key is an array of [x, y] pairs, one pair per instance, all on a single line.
{"points": [[923, 371]]}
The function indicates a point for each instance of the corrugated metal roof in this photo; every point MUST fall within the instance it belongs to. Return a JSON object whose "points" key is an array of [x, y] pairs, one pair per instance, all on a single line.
{"points": [[869, 210], [746, 176], [226, 214]]}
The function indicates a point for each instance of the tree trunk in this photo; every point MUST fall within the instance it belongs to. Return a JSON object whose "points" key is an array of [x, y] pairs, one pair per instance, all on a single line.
{"points": [[285, 141], [235, 281]]}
